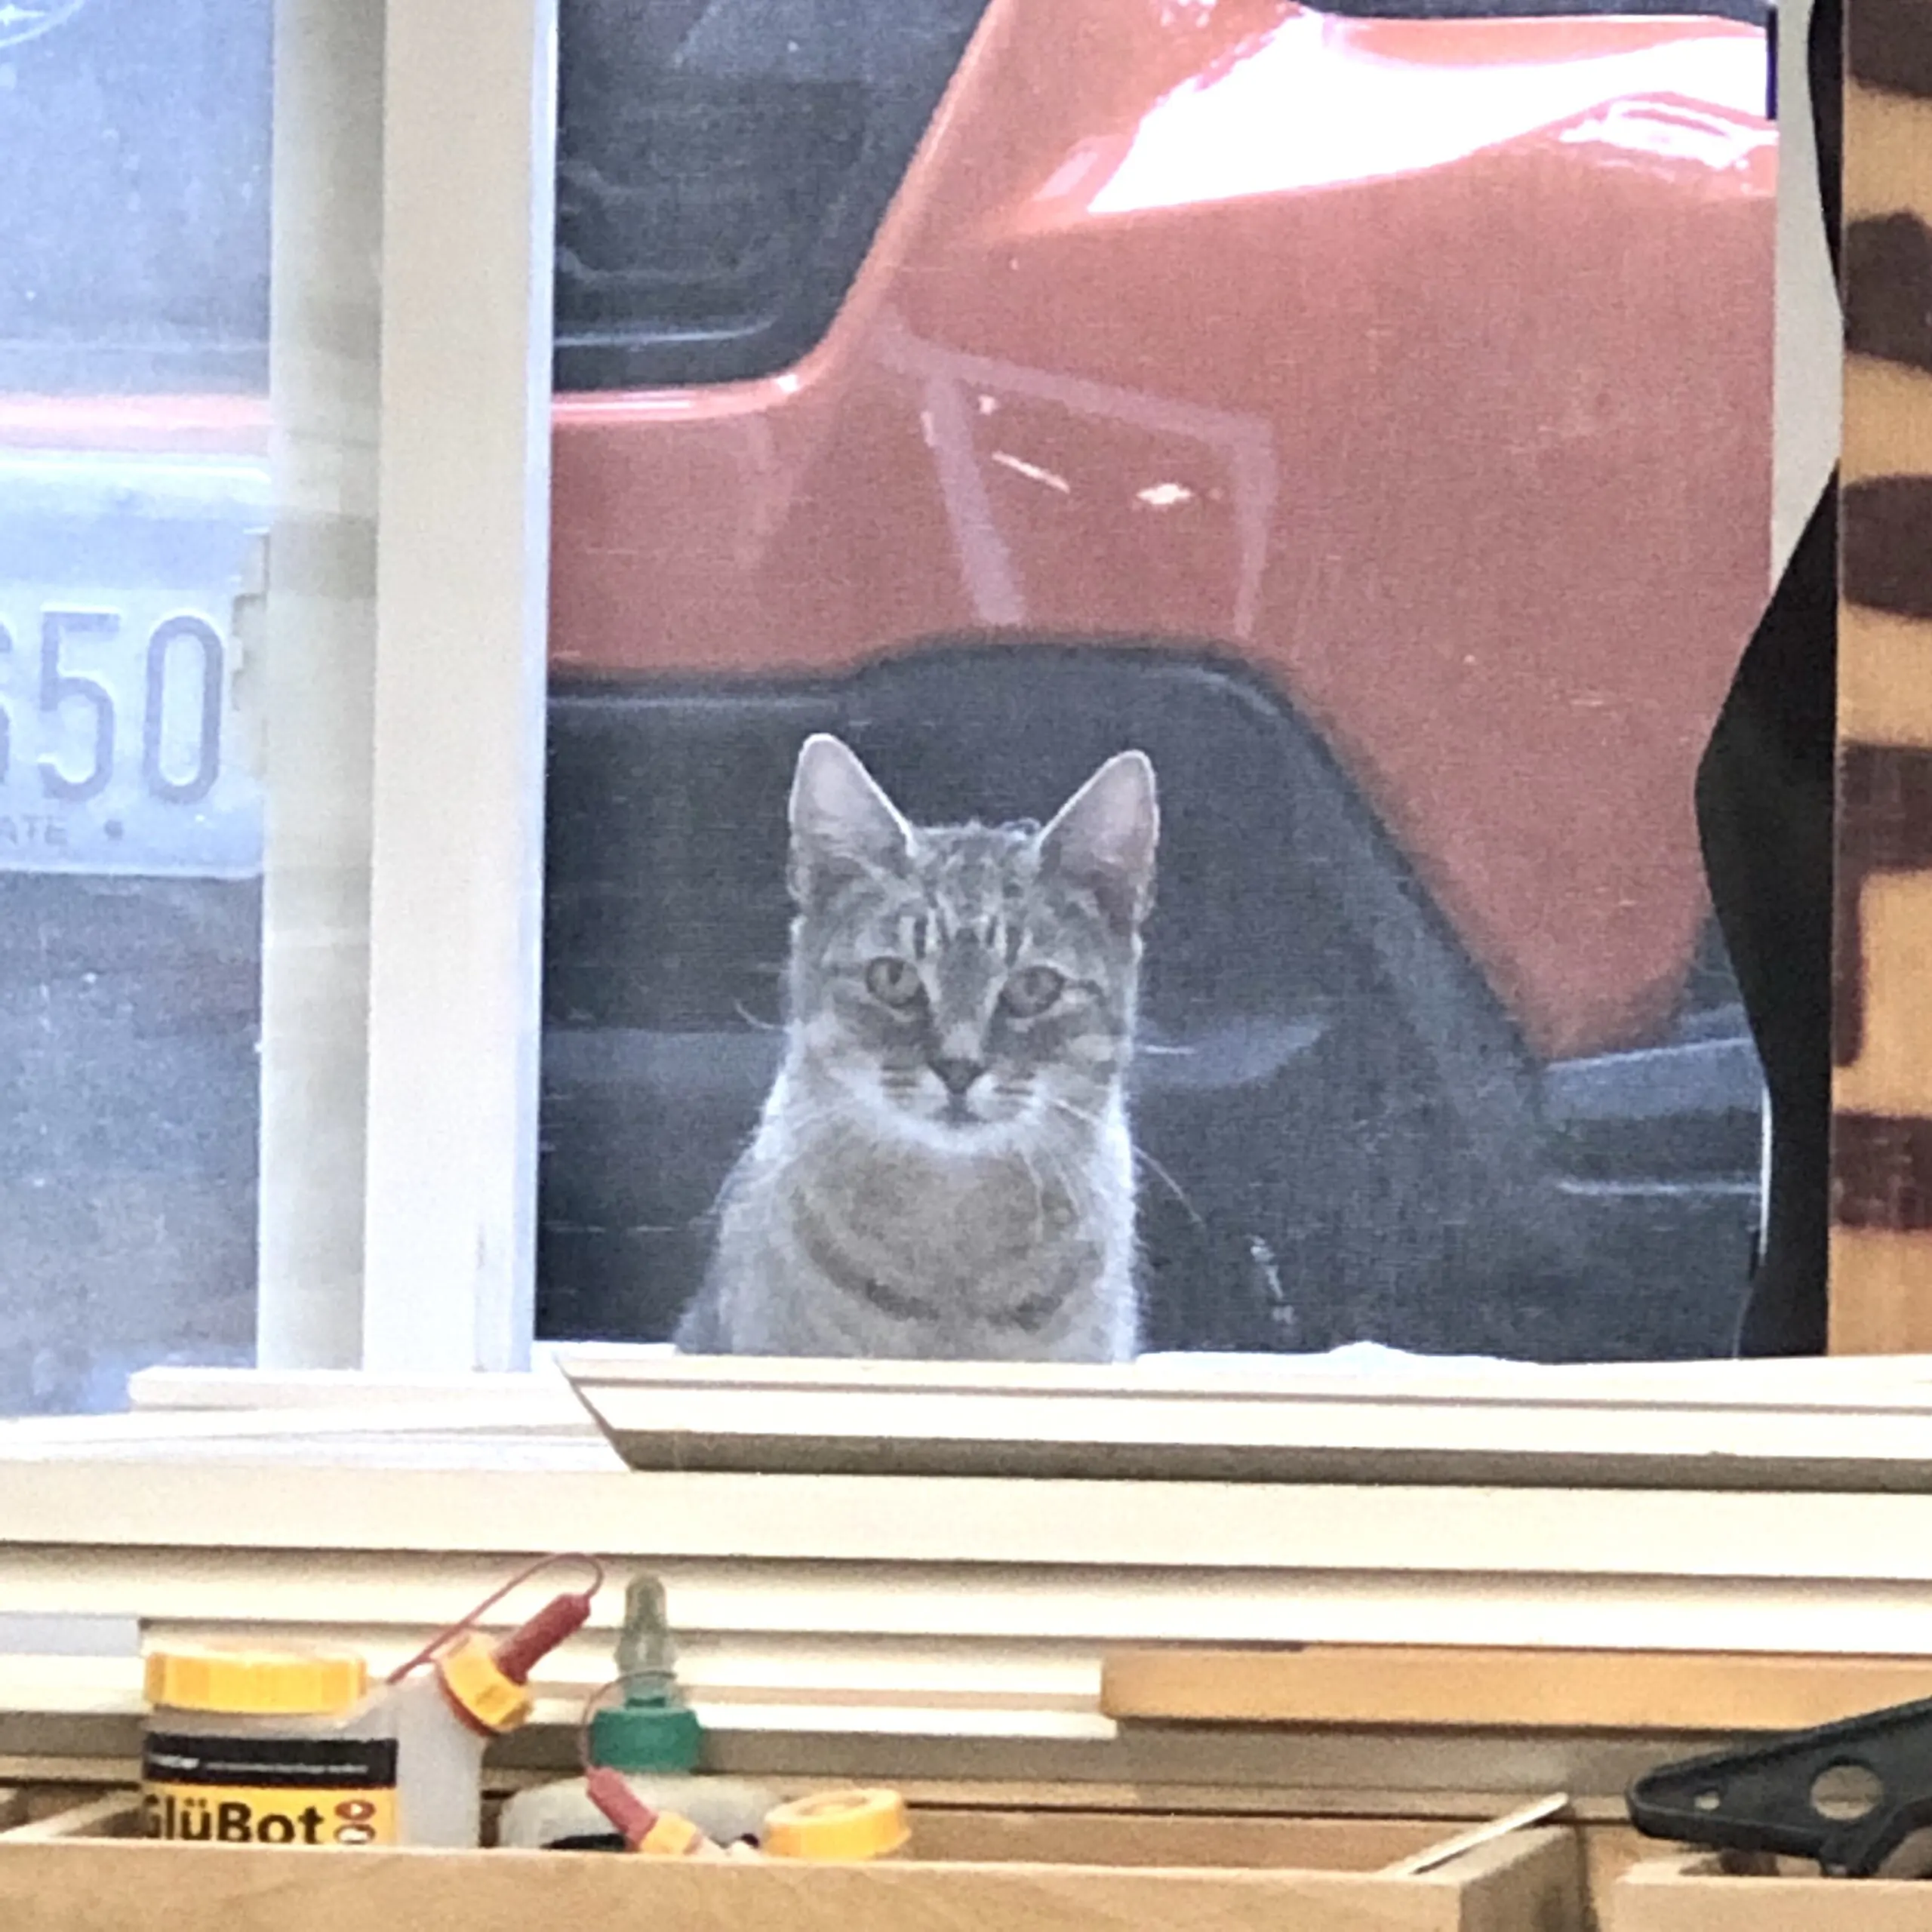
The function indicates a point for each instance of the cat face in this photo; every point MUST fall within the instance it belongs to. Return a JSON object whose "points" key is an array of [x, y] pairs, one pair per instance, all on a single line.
{"points": [[966, 986]]}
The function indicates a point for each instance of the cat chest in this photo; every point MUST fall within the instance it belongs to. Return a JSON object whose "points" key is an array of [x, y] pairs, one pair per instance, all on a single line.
{"points": [[918, 1253]]}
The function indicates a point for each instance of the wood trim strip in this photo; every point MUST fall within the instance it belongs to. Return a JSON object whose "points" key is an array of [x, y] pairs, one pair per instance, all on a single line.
{"points": [[1881, 1027], [1888, 165], [1876, 1288], [1614, 1691], [1885, 663]]}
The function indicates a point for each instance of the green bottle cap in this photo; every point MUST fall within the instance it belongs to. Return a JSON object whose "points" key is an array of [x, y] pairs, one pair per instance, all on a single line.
{"points": [[654, 1729]]}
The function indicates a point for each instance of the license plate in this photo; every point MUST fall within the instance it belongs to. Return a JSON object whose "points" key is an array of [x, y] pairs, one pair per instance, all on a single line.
{"points": [[121, 744]]}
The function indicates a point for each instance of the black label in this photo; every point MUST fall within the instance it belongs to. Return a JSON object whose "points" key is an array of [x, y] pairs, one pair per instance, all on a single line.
{"points": [[168, 1758]]}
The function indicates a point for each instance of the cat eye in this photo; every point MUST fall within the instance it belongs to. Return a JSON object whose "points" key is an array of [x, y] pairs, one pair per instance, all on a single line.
{"points": [[894, 982], [1031, 990]]}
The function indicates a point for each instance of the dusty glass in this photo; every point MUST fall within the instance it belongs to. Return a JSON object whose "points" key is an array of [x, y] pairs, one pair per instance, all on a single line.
{"points": [[134, 494], [189, 353]]}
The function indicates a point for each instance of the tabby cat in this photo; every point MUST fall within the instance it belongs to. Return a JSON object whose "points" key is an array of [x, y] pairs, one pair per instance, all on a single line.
{"points": [[943, 1167]]}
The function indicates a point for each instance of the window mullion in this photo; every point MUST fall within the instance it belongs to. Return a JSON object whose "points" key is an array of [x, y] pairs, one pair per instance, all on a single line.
{"points": [[462, 583]]}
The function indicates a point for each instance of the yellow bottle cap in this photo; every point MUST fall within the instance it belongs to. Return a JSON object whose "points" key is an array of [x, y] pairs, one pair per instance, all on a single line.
{"points": [[256, 1683], [838, 1825], [673, 1837], [479, 1688]]}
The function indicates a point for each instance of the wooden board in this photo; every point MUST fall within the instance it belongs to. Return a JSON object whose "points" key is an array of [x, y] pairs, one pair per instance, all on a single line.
{"points": [[1647, 1691], [1530, 1880], [1145, 1838], [1881, 1031], [1688, 1894], [1364, 1843]]}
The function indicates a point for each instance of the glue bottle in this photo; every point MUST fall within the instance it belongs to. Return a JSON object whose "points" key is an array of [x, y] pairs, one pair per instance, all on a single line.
{"points": [[446, 1714], [654, 1739], [266, 1747]]}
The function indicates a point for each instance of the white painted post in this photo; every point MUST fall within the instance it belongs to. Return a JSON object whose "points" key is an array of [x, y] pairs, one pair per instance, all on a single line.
{"points": [[462, 581]]}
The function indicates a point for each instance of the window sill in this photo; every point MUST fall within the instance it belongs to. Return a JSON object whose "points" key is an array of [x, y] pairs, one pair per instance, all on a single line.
{"points": [[973, 1610]]}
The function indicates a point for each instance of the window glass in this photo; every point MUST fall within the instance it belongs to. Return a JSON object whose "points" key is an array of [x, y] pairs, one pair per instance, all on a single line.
{"points": [[133, 492], [995, 387], [1365, 415], [136, 231], [723, 166]]}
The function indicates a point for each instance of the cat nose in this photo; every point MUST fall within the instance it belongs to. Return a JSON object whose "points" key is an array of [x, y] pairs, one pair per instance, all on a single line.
{"points": [[958, 1075]]}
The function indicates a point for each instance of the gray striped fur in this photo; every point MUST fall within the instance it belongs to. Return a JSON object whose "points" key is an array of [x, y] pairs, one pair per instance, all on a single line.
{"points": [[943, 1168]]}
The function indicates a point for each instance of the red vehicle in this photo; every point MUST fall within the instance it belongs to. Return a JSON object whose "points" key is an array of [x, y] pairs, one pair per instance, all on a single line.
{"points": [[1367, 414]]}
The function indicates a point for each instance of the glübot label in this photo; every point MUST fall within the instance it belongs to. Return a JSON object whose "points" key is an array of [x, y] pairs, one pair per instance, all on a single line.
{"points": [[270, 1791]]}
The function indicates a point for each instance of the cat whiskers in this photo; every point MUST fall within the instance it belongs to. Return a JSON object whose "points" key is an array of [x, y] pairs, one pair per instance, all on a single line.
{"points": [[1141, 1156], [1073, 1184], [1039, 1196]]}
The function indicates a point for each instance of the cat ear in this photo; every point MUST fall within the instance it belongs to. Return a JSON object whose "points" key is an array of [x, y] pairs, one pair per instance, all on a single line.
{"points": [[840, 819], [1104, 837]]}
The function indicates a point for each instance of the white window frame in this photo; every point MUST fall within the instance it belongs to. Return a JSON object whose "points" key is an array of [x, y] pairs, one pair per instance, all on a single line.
{"points": [[456, 857]]}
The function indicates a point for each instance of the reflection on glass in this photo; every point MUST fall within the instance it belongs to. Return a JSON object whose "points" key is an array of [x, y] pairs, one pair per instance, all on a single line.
{"points": [[133, 489]]}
